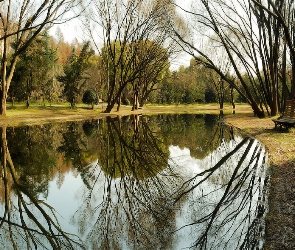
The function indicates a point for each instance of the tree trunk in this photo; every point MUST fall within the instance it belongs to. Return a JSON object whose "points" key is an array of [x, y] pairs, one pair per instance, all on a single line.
{"points": [[119, 104], [110, 106], [3, 101], [73, 103], [232, 97], [135, 98], [112, 100], [257, 111], [108, 109]]}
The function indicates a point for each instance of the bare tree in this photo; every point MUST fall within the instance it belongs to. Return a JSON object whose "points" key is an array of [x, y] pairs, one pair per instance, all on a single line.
{"points": [[275, 22], [21, 22], [252, 33], [129, 29]]}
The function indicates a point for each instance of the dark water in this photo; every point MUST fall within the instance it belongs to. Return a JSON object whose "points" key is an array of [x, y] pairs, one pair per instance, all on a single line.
{"points": [[159, 182]]}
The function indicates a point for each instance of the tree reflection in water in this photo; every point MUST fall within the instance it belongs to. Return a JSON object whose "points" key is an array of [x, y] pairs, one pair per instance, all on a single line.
{"points": [[138, 192], [227, 199], [134, 206], [28, 222]]}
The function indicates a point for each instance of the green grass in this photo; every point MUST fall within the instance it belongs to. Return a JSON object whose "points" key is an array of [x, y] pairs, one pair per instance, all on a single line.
{"points": [[37, 113]]}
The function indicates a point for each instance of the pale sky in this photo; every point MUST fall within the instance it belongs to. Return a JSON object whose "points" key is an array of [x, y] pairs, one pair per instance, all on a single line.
{"points": [[72, 29]]}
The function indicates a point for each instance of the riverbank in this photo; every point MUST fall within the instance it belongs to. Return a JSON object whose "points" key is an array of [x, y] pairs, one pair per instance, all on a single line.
{"points": [[280, 219], [38, 114]]}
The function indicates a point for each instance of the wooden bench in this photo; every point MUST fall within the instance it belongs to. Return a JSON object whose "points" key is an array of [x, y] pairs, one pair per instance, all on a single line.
{"points": [[287, 119]]}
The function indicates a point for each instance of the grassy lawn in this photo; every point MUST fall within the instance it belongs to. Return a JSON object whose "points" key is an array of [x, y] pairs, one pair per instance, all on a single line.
{"points": [[280, 145], [37, 114]]}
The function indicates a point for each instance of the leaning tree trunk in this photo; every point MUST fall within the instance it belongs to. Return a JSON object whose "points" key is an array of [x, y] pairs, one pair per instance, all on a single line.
{"points": [[113, 99]]}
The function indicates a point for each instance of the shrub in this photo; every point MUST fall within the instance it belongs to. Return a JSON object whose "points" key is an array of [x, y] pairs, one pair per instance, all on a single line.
{"points": [[90, 97], [125, 101]]}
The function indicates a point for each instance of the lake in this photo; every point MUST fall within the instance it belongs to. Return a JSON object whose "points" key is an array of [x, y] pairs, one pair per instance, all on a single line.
{"points": [[134, 182]]}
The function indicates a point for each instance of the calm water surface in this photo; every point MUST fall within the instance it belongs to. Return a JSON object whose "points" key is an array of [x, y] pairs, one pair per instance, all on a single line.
{"points": [[158, 182]]}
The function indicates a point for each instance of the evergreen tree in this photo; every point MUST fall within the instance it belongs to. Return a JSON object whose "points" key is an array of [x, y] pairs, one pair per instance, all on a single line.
{"points": [[74, 69], [90, 97], [33, 70]]}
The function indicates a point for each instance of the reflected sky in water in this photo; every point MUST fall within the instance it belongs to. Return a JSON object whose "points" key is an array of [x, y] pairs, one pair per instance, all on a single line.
{"points": [[160, 182]]}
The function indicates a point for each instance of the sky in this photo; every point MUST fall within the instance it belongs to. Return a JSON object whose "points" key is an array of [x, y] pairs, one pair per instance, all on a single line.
{"points": [[73, 29]]}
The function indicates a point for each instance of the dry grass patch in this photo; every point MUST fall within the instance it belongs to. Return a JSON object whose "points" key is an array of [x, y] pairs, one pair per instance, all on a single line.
{"points": [[279, 143]]}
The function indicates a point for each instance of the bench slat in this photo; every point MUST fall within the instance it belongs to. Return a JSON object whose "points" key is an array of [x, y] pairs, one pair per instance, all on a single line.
{"points": [[288, 117]]}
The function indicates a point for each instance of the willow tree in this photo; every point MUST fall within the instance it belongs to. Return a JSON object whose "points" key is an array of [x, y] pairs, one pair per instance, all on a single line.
{"points": [[253, 35], [21, 22], [277, 52], [127, 26], [144, 66], [155, 70]]}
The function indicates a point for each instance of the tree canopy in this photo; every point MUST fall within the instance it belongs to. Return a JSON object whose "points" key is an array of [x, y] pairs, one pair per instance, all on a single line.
{"points": [[73, 77]]}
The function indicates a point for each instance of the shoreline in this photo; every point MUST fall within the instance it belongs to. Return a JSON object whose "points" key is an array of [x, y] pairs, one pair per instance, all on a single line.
{"points": [[20, 116], [280, 216], [280, 145]]}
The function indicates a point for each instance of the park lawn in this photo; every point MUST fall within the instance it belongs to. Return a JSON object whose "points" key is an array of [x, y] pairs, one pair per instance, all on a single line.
{"points": [[279, 143], [19, 115]]}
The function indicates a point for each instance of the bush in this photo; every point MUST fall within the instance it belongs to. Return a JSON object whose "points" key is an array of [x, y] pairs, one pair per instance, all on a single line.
{"points": [[210, 96], [125, 101], [90, 97]]}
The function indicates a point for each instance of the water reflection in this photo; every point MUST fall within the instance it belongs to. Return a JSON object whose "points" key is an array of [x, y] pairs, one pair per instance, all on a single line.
{"points": [[26, 221], [230, 209], [126, 195], [159, 182]]}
